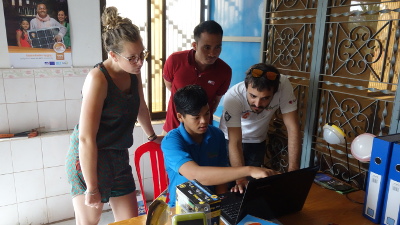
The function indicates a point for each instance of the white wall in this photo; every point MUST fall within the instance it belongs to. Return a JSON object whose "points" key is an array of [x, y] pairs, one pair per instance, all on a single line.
{"points": [[34, 189]]}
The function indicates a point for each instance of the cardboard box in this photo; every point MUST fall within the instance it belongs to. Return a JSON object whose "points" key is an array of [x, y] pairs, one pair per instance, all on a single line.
{"points": [[192, 196], [142, 210]]}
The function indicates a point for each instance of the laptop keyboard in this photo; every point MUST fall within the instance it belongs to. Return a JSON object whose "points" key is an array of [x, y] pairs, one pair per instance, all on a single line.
{"points": [[232, 209]]}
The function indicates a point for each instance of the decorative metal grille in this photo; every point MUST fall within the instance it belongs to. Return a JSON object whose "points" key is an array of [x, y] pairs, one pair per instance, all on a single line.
{"points": [[135, 11], [289, 47], [341, 58], [179, 32]]}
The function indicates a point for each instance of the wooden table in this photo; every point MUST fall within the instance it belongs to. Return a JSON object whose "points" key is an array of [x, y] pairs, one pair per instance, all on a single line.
{"points": [[322, 207]]}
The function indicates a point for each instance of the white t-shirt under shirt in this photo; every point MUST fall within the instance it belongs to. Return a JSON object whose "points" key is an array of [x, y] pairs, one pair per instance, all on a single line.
{"points": [[237, 112]]}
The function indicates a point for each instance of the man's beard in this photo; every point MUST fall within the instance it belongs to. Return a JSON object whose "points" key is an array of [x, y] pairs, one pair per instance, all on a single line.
{"points": [[260, 108]]}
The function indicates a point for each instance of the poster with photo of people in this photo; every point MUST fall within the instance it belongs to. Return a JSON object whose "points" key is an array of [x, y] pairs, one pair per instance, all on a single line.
{"points": [[38, 33]]}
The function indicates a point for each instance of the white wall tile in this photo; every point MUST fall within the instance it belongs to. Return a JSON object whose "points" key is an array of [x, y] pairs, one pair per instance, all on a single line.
{"points": [[49, 84], [4, 127], [143, 163], [2, 94], [137, 185], [135, 177], [56, 181], [132, 150], [30, 186], [54, 150], [38, 163], [106, 206], [73, 109], [22, 116], [52, 115], [158, 128], [27, 154], [7, 193], [146, 164], [132, 164], [9, 215], [60, 208], [146, 173], [6, 158], [73, 85], [138, 139], [148, 188], [38, 216], [17, 80]]}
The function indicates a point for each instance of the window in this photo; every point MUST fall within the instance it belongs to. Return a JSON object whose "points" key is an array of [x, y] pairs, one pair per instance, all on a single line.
{"points": [[166, 26]]}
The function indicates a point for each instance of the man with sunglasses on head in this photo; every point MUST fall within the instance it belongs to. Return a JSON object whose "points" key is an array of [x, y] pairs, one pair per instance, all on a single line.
{"points": [[248, 109], [200, 65]]}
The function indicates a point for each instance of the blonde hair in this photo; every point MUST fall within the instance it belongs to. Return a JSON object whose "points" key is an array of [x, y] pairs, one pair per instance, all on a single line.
{"points": [[117, 30]]}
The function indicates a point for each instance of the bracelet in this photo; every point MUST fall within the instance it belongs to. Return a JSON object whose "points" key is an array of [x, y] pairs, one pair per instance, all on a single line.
{"points": [[91, 192], [152, 137]]}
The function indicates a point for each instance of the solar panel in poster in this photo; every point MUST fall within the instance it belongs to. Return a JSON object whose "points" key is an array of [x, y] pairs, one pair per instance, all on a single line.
{"points": [[43, 38]]}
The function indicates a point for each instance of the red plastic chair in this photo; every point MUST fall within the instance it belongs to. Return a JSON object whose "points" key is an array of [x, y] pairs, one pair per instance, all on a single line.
{"points": [[160, 178]]}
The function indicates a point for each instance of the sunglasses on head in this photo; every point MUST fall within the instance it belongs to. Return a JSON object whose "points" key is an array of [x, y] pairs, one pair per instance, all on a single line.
{"points": [[258, 73]]}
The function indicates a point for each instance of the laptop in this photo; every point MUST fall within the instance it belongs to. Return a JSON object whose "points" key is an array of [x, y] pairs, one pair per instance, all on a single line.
{"points": [[269, 197]]}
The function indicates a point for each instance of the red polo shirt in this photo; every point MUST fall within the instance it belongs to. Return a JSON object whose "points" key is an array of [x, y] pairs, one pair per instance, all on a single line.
{"points": [[180, 70]]}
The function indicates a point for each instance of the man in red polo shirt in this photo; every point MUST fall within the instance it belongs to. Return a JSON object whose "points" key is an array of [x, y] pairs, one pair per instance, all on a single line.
{"points": [[200, 65]]}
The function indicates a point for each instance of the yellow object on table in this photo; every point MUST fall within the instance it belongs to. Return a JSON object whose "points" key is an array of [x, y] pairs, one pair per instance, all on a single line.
{"points": [[132, 221]]}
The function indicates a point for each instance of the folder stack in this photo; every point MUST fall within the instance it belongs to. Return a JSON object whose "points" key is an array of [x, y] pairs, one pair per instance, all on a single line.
{"points": [[390, 213], [376, 189]]}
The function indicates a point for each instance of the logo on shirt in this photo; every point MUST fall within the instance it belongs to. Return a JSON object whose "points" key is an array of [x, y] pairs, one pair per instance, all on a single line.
{"points": [[244, 116], [211, 82], [292, 101], [227, 116]]}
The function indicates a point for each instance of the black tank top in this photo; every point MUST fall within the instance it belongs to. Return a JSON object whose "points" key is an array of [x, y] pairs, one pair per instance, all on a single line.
{"points": [[119, 114]]}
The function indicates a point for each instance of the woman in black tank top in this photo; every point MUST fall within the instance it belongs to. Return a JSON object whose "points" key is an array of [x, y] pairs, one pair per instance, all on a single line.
{"points": [[98, 160]]}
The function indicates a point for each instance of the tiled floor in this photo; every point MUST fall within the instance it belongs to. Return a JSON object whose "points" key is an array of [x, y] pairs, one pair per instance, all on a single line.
{"points": [[106, 218]]}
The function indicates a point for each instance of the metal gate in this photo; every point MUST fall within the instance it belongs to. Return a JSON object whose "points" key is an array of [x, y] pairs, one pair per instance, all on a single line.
{"points": [[341, 57]]}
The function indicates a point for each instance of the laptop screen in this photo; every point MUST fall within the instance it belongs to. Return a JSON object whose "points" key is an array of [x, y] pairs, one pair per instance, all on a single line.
{"points": [[277, 195]]}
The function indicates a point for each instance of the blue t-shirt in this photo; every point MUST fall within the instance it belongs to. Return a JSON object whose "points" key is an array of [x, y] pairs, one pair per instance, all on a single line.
{"points": [[179, 148]]}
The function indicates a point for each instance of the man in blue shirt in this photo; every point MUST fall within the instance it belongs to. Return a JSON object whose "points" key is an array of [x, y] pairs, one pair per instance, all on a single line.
{"points": [[197, 150]]}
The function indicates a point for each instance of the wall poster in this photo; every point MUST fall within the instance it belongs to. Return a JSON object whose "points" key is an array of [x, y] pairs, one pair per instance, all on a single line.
{"points": [[38, 33]]}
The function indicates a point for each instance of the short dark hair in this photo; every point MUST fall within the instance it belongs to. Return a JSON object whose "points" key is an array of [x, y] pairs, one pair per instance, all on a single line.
{"points": [[190, 99], [209, 26], [41, 3], [20, 27], [261, 83]]}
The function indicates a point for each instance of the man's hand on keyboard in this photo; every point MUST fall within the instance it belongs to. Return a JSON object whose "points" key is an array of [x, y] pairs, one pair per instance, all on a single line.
{"points": [[240, 185]]}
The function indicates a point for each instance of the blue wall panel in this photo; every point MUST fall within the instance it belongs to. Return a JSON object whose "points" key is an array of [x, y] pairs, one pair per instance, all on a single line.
{"points": [[240, 56], [238, 17]]}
